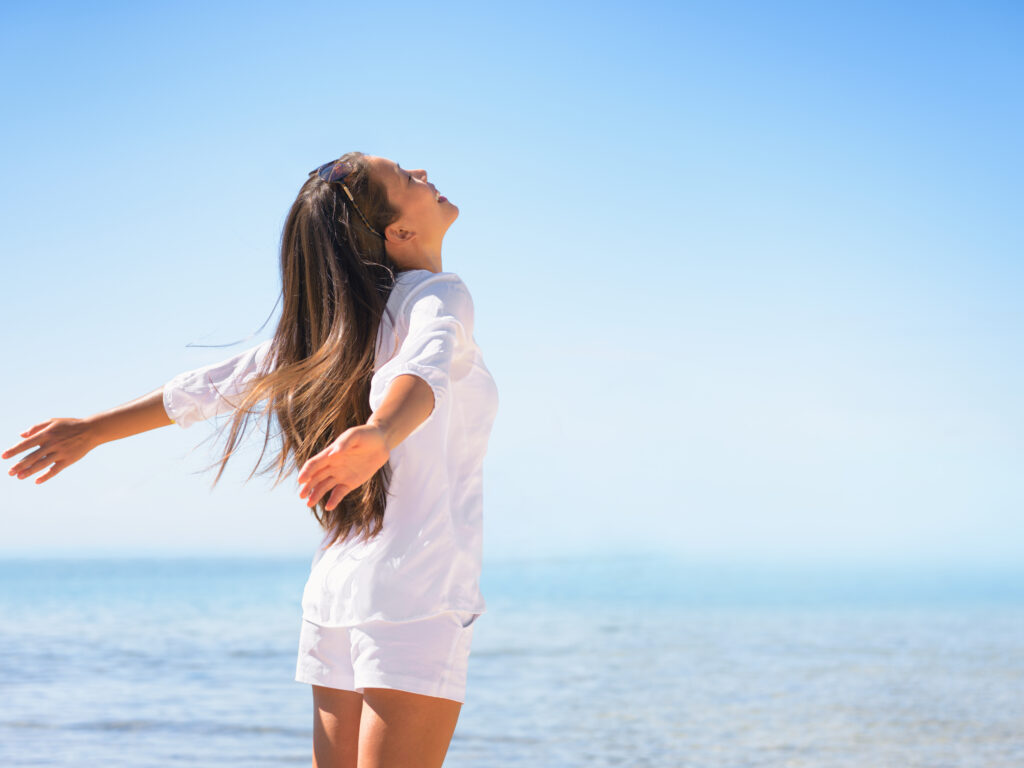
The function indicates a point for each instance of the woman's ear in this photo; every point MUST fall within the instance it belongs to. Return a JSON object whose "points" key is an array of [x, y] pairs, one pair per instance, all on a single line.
{"points": [[397, 234]]}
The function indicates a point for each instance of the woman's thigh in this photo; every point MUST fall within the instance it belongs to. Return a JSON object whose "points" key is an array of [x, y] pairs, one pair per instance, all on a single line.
{"points": [[399, 729], [336, 718]]}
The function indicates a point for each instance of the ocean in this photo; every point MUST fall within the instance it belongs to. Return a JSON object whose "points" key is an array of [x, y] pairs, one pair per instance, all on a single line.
{"points": [[632, 661]]}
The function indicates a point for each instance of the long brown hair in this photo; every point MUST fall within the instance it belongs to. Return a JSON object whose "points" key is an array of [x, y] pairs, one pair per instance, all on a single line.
{"points": [[336, 278]]}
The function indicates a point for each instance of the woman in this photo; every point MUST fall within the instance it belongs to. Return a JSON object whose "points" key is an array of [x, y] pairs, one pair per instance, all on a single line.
{"points": [[385, 406]]}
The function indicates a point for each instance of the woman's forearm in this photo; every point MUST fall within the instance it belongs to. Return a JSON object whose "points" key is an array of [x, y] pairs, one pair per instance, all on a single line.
{"points": [[407, 403], [139, 415]]}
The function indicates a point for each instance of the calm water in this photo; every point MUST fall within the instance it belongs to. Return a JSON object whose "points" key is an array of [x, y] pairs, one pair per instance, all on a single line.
{"points": [[634, 662]]}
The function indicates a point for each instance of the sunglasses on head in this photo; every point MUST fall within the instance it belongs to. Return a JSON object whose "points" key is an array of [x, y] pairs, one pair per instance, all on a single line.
{"points": [[334, 172]]}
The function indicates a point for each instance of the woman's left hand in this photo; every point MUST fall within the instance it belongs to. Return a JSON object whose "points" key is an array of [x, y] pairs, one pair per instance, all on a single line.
{"points": [[344, 465], [58, 442]]}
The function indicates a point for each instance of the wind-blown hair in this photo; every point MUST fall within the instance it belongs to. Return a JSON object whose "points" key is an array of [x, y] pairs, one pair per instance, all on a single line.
{"points": [[335, 279]]}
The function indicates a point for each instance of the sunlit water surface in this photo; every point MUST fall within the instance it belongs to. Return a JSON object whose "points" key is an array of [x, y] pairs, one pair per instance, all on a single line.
{"points": [[632, 662]]}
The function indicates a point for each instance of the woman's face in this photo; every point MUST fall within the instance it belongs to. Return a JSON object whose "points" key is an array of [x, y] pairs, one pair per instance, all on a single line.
{"points": [[414, 239]]}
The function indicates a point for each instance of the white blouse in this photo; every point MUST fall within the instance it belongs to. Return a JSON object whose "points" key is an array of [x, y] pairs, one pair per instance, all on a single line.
{"points": [[428, 556]]}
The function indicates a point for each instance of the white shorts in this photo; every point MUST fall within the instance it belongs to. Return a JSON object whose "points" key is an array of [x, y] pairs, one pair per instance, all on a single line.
{"points": [[428, 656]]}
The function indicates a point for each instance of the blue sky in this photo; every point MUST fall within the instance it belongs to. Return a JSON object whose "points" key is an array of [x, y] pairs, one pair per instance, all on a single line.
{"points": [[747, 275]]}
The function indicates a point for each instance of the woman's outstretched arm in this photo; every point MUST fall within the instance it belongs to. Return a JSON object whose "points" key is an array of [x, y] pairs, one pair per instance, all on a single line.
{"points": [[139, 415], [189, 397], [60, 442]]}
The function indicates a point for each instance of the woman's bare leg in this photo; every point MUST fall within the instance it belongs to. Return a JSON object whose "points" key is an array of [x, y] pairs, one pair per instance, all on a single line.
{"points": [[336, 716], [405, 730]]}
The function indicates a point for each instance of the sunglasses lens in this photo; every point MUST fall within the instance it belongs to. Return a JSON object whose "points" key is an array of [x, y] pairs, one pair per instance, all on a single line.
{"points": [[336, 170]]}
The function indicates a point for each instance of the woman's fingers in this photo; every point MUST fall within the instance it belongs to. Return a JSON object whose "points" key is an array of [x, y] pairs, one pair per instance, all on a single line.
{"points": [[24, 445], [317, 465], [312, 497], [57, 467], [315, 468], [317, 490], [32, 430], [332, 484], [42, 462], [338, 471], [321, 477], [29, 464], [324, 463], [316, 472], [339, 493]]}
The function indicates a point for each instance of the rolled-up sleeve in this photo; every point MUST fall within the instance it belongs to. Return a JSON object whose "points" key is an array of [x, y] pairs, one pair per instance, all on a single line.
{"points": [[439, 319], [209, 391]]}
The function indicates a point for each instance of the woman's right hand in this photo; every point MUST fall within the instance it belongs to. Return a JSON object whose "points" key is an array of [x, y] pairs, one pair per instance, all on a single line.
{"points": [[344, 465], [58, 442]]}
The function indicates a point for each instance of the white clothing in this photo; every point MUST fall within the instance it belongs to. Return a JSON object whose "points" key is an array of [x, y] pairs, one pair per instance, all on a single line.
{"points": [[429, 656], [427, 558]]}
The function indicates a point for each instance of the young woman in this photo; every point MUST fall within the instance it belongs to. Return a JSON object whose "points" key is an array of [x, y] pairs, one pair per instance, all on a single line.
{"points": [[384, 405]]}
